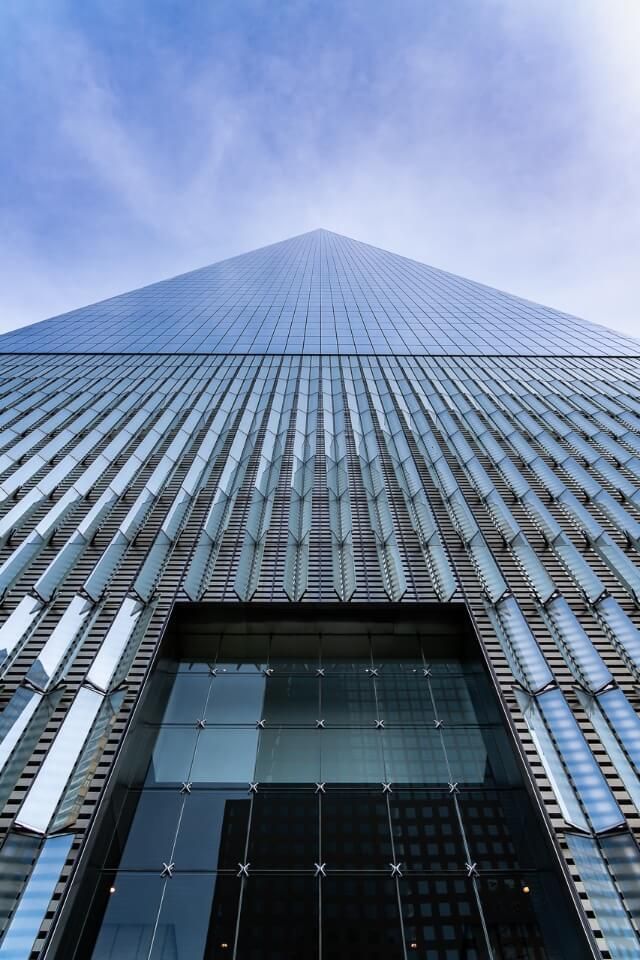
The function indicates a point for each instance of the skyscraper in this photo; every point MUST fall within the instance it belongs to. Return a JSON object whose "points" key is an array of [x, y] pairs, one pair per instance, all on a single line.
{"points": [[319, 636]]}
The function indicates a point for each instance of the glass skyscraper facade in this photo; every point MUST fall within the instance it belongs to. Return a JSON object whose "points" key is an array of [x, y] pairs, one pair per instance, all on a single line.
{"points": [[319, 632]]}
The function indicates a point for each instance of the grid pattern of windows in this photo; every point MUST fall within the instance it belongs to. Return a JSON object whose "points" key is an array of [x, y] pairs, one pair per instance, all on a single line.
{"points": [[346, 839], [319, 293]]}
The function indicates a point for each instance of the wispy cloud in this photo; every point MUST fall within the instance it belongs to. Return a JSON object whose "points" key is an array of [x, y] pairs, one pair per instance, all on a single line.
{"points": [[496, 139]]}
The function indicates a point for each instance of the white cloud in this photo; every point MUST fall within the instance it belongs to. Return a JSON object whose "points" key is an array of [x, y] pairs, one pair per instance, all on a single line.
{"points": [[507, 154]]}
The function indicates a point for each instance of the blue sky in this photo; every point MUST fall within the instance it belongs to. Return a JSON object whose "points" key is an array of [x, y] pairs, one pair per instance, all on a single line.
{"points": [[498, 139]]}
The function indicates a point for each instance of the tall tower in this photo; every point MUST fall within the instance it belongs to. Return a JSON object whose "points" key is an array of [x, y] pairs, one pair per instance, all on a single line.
{"points": [[319, 627]]}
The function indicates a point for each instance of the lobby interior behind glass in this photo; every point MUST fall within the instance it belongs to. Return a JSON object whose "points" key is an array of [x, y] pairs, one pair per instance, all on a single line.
{"points": [[320, 786]]}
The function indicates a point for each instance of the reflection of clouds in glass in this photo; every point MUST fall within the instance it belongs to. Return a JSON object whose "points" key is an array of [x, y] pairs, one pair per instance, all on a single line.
{"points": [[495, 140]]}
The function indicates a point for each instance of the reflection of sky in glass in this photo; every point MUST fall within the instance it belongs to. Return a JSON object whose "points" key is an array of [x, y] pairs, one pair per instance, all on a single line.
{"points": [[318, 293], [30, 913]]}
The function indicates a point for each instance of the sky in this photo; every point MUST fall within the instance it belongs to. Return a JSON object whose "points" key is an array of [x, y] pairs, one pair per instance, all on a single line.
{"points": [[496, 139]]}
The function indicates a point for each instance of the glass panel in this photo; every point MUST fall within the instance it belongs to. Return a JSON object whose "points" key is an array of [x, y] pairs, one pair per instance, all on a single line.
{"points": [[17, 856], [289, 756], [481, 756], [225, 756], [30, 914], [131, 911], [279, 919], [441, 919], [522, 917], [585, 772], [426, 831], [499, 829], [352, 756], [414, 756], [187, 699], [452, 700], [172, 756], [355, 831], [464, 699], [147, 849], [114, 643], [554, 769], [292, 700], [404, 698], [17, 624], [349, 699], [623, 858], [335, 662], [213, 830], [185, 927], [14, 719], [46, 790], [625, 722], [236, 699], [361, 918], [58, 644], [284, 829], [509, 908], [613, 919]]}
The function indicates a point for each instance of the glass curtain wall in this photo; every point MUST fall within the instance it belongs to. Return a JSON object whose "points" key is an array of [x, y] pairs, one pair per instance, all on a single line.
{"points": [[328, 807]]}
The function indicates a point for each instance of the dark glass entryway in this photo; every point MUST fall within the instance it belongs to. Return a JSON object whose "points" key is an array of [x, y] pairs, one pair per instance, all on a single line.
{"points": [[322, 789]]}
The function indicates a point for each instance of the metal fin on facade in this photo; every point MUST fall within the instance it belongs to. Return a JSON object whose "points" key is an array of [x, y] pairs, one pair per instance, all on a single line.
{"points": [[296, 571], [337, 477], [370, 463], [231, 479], [265, 483]]}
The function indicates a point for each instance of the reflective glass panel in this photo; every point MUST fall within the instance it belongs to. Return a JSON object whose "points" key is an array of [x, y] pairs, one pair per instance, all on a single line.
{"points": [[212, 832], [441, 919], [361, 918], [427, 833], [285, 829], [236, 698], [225, 755], [356, 832], [279, 918], [130, 916]]}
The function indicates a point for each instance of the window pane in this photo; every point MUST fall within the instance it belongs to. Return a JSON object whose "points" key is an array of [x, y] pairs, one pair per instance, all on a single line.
{"points": [[404, 699], [236, 699], [187, 698], [510, 914], [441, 920], [348, 699], [284, 829], [147, 849], [452, 699], [414, 755], [355, 831], [426, 831], [289, 756], [129, 921], [500, 831], [213, 830], [481, 756], [196, 910], [360, 918], [352, 756], [292, 700], [225, 756], [172, 755], [279, 919]]}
